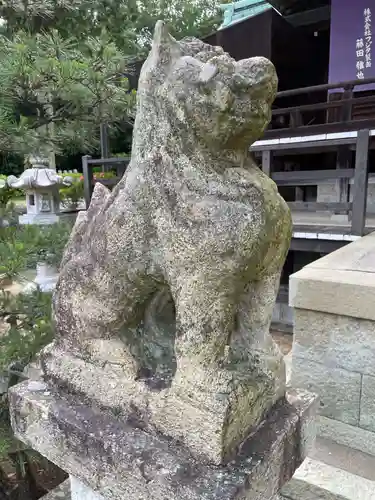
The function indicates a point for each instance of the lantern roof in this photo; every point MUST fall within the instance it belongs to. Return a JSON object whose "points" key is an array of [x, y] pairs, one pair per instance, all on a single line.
{"points": [[38, 176]]}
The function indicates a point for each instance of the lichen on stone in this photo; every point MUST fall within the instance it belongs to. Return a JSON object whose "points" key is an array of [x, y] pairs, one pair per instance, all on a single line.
{"points": [[173, 276]]}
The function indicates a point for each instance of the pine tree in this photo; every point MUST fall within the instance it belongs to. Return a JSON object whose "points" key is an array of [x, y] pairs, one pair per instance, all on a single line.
{"points": [[63, 65]]}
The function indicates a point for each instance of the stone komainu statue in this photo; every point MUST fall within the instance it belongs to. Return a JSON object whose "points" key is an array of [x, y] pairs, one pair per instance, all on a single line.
{"points": [[168, 283]]}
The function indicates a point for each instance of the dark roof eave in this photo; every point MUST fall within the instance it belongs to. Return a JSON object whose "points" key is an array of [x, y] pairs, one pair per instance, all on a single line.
{"points": [[288, 7]]}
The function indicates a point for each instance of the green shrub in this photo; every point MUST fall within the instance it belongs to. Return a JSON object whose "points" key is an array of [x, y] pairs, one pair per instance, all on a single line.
{"points": [[121, 155], [11, 263], [49, 243], [29, 315], [22, 247], [74, 193], [7, 193], [30, 326]]}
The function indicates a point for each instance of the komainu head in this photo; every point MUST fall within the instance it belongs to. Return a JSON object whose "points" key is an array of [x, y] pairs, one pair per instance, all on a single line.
{"points": [[200, 89]]}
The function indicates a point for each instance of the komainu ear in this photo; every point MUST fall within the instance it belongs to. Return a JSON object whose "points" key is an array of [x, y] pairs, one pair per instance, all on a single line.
{"points": [[164, 47]]}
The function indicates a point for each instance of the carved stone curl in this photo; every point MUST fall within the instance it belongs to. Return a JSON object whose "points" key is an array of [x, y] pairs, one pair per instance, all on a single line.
{"points": [[168, 283]]}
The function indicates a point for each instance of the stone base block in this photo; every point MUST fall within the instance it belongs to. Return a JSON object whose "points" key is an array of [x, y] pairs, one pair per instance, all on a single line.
{"points": [[117, 459], [210, 410]]}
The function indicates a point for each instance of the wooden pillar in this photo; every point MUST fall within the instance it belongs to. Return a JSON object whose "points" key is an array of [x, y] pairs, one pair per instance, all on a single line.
{"points": [[360, 183], [343, 162], [346, 108], [87, 180], [299, 193], [267, 162]]}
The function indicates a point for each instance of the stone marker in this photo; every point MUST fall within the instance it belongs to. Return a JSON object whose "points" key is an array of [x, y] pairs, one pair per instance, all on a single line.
{"points": [[163, 381], [334, 341]]}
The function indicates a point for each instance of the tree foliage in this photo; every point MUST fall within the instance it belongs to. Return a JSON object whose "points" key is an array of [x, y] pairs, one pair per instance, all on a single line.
{"points": [[48, 80], [130, 22], [63, 65], [27, 314]]}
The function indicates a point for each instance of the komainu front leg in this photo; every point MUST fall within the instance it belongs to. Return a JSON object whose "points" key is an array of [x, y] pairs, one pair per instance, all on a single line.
{"points": [[221, 385], [252, 338], [205, 318]]}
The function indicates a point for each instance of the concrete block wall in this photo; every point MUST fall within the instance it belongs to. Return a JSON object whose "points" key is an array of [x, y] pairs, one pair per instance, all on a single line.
{"points": [[329, 192], [334, 340]]}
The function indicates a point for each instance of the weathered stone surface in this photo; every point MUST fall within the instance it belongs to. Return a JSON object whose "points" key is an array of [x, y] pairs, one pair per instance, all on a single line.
{"points": [[346, 435], [339, 390], [120, 460], [335, 340], [82, 492], [367, 411], [62, 492], [168, 283], [340, 283], [315, 480]]}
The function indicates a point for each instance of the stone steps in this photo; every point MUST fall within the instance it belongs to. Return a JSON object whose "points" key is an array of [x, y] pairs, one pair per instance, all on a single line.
{"points": [[333, 472]]}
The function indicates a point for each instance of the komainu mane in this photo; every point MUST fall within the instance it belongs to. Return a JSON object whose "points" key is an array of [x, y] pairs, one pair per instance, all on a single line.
{"points": [[168, 283]]}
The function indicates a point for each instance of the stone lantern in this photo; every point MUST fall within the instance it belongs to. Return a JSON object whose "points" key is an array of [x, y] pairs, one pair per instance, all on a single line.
{"points": [[41, 184]]}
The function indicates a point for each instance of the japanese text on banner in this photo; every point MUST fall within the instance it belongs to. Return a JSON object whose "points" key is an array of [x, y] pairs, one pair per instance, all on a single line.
{"points": [[363, 46]]}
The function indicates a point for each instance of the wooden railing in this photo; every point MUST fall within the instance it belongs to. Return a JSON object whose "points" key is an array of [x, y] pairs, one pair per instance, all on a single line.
{"points": [[298, 126], [357, 210], [314, 118], [88, 164], [313, 178]]}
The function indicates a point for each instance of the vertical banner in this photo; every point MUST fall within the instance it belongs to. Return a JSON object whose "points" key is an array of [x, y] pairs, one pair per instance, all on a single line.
{"points": [[351, 46]]}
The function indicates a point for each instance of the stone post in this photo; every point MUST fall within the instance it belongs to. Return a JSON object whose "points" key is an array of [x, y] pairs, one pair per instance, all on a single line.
{"points": [[334, 341], [163, 381]]}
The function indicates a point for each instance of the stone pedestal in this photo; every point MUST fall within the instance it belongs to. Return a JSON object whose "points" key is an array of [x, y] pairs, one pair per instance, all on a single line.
{"points": [[113, 459], [334, 341]]}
